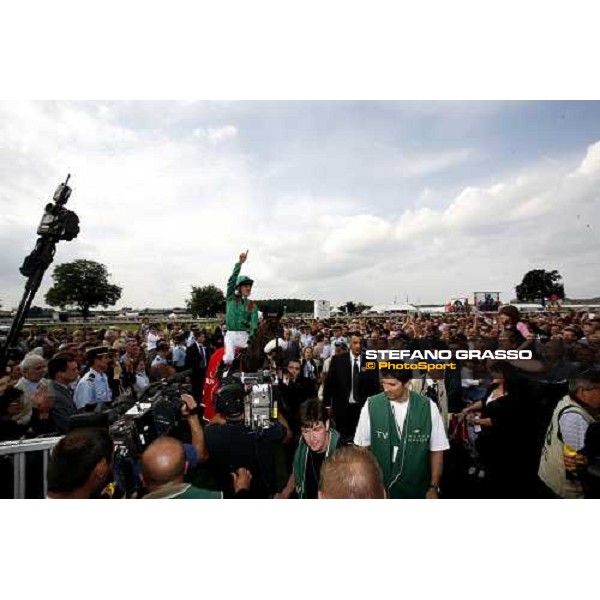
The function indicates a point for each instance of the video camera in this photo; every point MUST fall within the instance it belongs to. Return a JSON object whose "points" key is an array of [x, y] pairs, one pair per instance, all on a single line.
{"points": [[156, 413], [134, 424], [58, 223], [260, 399]]}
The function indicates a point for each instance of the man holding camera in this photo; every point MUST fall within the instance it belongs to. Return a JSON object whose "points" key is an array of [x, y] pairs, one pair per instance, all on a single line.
{"points": [[164, 466], [241, 313], [231, 445]]}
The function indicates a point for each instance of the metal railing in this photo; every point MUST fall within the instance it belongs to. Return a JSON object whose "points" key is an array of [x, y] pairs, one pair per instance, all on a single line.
{"points": [[18, 450]]}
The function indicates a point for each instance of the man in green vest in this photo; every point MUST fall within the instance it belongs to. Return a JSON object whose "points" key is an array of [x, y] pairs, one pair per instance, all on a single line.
{"points": [[164, 467], [405, 432], [241, 314], [563, 463], [317, 442]]}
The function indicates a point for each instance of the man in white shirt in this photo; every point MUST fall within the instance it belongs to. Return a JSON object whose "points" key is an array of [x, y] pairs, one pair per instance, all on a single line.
{"points": [[152, 338], [406, 435]]}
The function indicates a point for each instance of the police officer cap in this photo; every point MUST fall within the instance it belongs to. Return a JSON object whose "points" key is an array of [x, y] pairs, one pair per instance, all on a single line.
{"points": [[93, 353]]}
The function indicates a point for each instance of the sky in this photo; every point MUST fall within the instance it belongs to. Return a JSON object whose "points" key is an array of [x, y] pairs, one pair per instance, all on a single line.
{"points": [[362, 201]]}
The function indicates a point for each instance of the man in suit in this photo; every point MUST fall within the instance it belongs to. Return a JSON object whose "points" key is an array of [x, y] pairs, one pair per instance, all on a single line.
{"points": [[347, 387], [196, 359], [63, 371]]}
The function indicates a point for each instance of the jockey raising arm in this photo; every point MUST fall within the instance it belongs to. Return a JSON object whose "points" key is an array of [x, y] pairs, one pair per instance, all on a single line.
{"points": [[241, 313]]}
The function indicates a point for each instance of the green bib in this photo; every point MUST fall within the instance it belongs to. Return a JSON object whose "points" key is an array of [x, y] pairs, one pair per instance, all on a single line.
{"points": [[403, 458], [301, 456], [194, 493]]}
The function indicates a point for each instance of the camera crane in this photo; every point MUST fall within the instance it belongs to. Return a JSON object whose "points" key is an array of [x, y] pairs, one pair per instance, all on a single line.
{"points": [[58, 223]]}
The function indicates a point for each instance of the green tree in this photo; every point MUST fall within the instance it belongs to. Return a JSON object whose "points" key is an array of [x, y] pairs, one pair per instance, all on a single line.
{"points": [[349, 308], [206, 301], [84, 284], [538, 285], [360, 307]]}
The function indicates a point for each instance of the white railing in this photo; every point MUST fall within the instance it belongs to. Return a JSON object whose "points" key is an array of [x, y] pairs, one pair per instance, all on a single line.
{"points": [[17, 450]]}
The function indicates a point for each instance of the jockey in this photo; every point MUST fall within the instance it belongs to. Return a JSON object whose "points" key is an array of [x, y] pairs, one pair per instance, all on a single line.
{"points": [[241, 313]]}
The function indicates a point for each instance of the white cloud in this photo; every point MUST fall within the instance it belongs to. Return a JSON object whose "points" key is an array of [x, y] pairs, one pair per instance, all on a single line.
{"points": [[426, 164], [167, 204], [216, 135]]}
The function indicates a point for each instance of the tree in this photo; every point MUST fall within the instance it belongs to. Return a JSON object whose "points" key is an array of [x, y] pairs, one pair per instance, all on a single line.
{"points": [[84, 284], [349, 308], [360, 307], [538, 285], [206, 301], [37, 312]]}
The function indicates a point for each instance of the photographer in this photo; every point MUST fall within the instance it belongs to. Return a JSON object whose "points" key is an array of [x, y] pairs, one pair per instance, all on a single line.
{"points": [[231, 445], [189, 410], [164, 466]]}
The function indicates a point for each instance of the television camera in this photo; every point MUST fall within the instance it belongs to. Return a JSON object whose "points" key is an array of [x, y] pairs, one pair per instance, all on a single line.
{"points": [[255, 396], [157, 412]]}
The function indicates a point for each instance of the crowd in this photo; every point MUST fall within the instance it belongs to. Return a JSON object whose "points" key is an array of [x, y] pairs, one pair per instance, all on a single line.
{"points": [[517, 428]]}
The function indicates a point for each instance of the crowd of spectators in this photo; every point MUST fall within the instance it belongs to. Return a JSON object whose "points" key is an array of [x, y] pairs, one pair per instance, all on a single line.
{"points": [[517, 428]]}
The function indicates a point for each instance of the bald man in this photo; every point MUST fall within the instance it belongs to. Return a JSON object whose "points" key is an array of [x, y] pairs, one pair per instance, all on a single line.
{"points": [[164, 466], [351, 472]]}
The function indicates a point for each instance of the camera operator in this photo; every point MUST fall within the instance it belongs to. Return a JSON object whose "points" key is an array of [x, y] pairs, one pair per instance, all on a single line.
{"points": [[189, 410], [164, 466], [232, 445]]}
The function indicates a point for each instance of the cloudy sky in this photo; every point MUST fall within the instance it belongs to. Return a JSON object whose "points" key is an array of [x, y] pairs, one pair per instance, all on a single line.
{"points": [[363, 201]]}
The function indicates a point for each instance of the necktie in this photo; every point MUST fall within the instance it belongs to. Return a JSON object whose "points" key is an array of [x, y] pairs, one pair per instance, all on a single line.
{"points": [[202, 357], [355, 376]]}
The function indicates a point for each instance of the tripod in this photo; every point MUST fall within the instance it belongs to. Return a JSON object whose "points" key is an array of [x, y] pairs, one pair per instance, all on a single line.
{"points": [[57, 224]]}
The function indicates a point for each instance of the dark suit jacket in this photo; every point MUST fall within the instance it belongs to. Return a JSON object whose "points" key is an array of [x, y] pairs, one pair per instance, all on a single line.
{"points": [[338, 384], [193, 361], [63, 407]]}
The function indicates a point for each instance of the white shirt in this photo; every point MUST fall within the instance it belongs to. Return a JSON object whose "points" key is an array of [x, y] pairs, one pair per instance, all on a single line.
{"points": [[159, 360], [151, 341], [438, 440]]}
